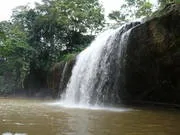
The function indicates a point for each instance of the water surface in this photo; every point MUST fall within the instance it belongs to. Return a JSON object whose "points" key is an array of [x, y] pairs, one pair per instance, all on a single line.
{"points": [[37, 117]]}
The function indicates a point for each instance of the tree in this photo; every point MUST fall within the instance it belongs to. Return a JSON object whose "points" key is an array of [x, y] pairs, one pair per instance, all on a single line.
{"points": [[130, 10], [14, 59], [56, 28], [163, 3]]}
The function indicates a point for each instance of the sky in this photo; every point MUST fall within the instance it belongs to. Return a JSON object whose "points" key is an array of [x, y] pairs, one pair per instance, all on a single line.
{"points": [[6, 6]]}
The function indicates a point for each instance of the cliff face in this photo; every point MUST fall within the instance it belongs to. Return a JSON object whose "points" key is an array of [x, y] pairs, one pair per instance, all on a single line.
{"points": [[59, 75], [152, 69]]}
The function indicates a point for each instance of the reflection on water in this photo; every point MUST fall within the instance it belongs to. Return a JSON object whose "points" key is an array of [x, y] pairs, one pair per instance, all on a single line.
{"points": [[32, 117]]}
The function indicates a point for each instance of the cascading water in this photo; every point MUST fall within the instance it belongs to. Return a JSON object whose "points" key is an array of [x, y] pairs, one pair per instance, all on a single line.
{"points": [[96, 74]]}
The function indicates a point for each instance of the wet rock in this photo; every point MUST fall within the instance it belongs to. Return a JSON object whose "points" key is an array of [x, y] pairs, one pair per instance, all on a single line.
{"points": [[59, 75], [152, 69]]}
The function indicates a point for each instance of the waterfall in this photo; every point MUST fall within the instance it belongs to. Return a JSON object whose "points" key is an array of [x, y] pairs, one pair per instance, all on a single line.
{"points": [[96, 75], [61, 84]]}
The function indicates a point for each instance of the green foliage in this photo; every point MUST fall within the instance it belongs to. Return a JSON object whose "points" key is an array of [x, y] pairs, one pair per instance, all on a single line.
{"points": [[6, 86], [57, 27], [118, 17], [132, 9], [36, 38], [163, 3], [68, 56], [14, 53], [76, 15]]}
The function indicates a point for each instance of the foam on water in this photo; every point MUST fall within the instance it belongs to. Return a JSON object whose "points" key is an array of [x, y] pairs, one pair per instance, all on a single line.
{"points": [[90, 107]]}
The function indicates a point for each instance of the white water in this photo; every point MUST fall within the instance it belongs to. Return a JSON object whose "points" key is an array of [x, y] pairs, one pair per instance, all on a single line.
{"points": [[95, 75]]}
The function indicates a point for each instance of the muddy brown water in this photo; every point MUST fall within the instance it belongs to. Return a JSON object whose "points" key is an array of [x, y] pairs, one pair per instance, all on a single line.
{"points": [[38, 117]]}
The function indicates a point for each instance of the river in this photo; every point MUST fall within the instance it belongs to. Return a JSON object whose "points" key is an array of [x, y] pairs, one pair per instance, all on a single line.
{"points": [[41, 117]]}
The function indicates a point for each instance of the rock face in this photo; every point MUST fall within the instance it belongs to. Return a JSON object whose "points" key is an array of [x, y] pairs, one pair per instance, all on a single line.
{"points": [[59, 75], [152, 69]]}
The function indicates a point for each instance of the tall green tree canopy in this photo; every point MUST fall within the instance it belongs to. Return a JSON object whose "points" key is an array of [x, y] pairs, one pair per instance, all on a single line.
{"points": [[38, 37], [132, 9], [14, 51], [59, 26]]}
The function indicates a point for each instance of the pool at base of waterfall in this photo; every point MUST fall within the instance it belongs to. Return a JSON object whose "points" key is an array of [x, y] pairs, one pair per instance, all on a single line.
{"points": [[41, 117]]}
